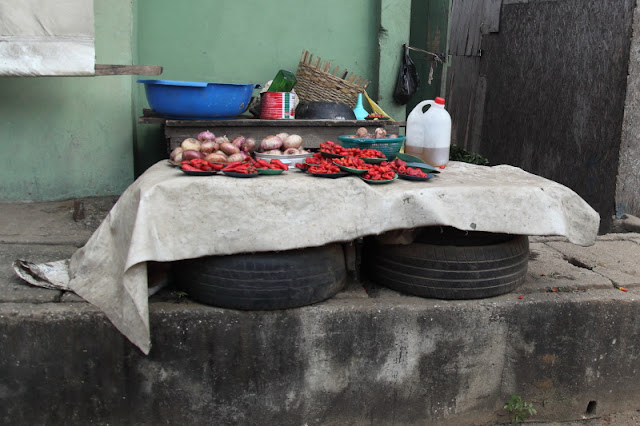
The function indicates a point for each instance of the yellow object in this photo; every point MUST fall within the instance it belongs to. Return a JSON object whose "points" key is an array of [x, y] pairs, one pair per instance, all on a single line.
{"points": [[375, 107]]}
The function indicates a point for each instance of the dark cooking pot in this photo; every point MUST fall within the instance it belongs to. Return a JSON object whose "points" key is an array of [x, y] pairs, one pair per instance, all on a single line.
{"points": [[324, 111]]}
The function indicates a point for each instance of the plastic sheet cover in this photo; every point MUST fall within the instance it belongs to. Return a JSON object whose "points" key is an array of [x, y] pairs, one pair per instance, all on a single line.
{"points": [[166, 216]]}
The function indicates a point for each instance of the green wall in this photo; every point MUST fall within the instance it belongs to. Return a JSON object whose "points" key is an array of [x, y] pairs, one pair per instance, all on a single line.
{"points": [[71, 137], [66, 137], [248, 41]]}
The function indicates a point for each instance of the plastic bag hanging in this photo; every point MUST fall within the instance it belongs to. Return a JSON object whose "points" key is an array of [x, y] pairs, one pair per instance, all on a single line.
{"points": [[408, 81]]}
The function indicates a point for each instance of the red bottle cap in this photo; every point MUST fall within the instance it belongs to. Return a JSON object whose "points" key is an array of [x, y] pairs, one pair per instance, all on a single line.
{"points": [[440, 101]]}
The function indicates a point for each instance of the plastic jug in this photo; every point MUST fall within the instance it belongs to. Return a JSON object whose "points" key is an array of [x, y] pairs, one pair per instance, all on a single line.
{"points": [[428, 134]]}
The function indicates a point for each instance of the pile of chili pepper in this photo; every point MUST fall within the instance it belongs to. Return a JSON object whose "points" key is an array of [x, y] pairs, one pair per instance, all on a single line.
{"points": [[333, 148], [200, 165], [319, 164], [274, 164], [244, 167], [351, 162], [401, 167], [382, 171]]}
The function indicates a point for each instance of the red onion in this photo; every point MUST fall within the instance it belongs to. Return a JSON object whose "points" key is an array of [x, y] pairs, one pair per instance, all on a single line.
{"points": [[216, 158], [191, 154], [291, 151], [249, 145], [229, 148], [270, 142], [206, 136], [208, 146], [273, 152], [361, 132], [237, 142]]}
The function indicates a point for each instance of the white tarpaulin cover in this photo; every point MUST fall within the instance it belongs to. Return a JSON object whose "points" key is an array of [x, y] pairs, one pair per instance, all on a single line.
{"points": [[46, 38], [166, 215]]}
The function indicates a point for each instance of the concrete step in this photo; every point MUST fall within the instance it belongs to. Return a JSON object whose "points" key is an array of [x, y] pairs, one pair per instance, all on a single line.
{"points": [[567, 340]]}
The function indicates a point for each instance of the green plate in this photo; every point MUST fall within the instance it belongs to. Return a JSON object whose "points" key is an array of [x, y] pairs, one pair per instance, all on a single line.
{"points": [[407, 158], [329, 175], [240, 175], [200, 173], [375, 182], [351, 170], [370, 160], [270, 171], [416, 178]]}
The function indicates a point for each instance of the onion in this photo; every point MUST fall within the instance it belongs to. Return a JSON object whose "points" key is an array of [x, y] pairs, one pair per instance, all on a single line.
{"points": [[380, 133], [270, 142], [208, 146], [229, 148], [237, 142], [392, 136], [190, 144], [206, 136], [216, 158], [176, 155], [291, 151], [190, 154], [292, 141], [361, 132], [283, 135], [273, 152], [249, 145], [221, 139], [235, 157]]}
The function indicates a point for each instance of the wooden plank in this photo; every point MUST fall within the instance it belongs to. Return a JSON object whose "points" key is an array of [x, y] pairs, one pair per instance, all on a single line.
{"points": [[101, 70], [491, 16]]}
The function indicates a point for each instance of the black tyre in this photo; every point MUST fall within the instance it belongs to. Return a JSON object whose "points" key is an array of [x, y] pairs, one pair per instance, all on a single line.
{"points": [[446, 263], [268, 280]]}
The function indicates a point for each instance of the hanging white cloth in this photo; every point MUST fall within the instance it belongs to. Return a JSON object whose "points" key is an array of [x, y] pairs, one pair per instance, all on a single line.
{"points": [[47, 38]]}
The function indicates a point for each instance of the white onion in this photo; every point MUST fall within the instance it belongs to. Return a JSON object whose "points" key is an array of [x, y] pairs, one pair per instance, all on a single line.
{"points": [[291, 151], [292, 141], [190, 144], [235, 157], [283, 135], [176, 155], [221, 139]]}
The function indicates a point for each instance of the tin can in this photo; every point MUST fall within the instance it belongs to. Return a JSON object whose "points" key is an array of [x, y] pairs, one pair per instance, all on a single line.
{"points": [[278, 105]]}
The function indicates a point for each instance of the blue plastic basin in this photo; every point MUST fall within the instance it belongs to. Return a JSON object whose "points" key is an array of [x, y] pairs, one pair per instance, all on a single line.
{"points": [[197, 100]]}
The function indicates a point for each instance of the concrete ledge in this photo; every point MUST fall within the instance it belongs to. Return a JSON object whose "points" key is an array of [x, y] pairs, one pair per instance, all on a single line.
{"points": [[391, 359], [567, 338]]}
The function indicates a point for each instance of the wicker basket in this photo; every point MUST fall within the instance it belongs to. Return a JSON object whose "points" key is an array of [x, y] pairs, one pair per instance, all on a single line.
{"points": [[390, 147], [316, 84]]}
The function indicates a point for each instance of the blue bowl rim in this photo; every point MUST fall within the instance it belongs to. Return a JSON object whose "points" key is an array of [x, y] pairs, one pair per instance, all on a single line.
{"points": [[193, 83]]}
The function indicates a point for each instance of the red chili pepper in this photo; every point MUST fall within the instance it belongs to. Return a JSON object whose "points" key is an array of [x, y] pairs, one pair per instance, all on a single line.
{"points": [[279, 164], [190, 168]]}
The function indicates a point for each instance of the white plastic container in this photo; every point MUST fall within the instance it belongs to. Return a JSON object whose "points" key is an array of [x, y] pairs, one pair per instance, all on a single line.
{"points": [[429, 133]]}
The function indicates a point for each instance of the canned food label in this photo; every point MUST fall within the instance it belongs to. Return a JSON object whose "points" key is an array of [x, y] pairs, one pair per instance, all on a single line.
{"points": [[278, 105]]}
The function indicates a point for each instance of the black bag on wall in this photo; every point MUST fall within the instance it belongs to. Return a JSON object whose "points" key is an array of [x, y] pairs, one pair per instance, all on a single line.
{"points": [[408, 81]]}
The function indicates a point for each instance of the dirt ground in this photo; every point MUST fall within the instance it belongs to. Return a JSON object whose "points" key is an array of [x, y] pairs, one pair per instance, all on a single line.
{"points": [[626, 418]]}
